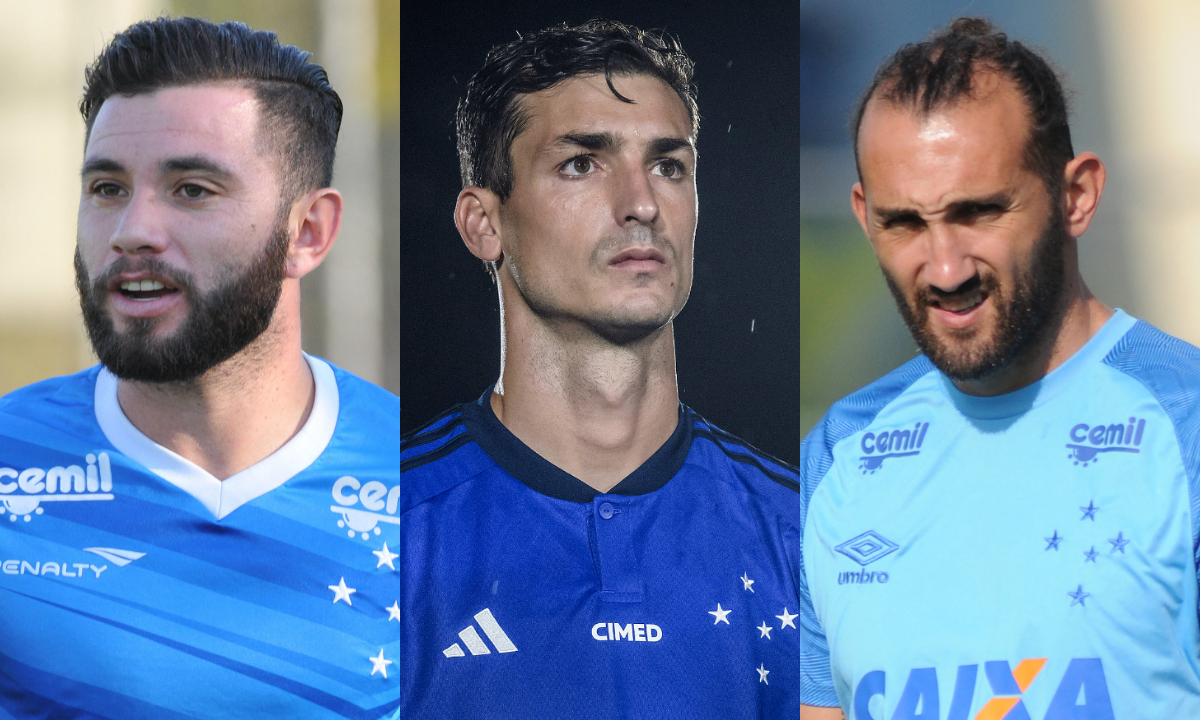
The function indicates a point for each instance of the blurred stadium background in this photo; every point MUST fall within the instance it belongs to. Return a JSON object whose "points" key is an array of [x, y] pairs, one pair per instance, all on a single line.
{"points": [[351, 303], [1130, 68]]}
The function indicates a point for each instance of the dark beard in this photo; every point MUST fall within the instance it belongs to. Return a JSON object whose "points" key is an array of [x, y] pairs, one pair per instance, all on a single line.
{"points": [[1024, 314], [219, 324]]}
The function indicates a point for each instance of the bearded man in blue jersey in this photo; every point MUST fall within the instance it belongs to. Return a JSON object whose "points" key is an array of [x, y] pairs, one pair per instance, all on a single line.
{"points": [[578, 544], [1006, 526], [196, 527]]}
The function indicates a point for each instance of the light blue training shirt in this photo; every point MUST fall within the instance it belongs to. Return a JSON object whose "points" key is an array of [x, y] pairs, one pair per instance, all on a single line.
{"points": [[1031, 555]]}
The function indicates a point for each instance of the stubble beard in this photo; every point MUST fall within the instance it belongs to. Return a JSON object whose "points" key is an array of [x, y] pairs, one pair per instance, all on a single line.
{"points": [[220, 323], [617, 324], [1024, 314]]}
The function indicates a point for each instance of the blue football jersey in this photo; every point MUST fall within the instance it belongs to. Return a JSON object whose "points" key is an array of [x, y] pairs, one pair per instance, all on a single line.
{"points": [[1030, 555], [527, 594], [135, 585]]}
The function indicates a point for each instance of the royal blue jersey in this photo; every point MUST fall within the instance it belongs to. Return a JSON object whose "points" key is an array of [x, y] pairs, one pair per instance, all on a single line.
{"points": [[135, 585], [1031, 555], [528, 594]]}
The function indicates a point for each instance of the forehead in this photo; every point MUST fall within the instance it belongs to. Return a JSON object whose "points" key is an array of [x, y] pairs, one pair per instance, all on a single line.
{"points": [[585, 104], [969, 145], [191, 120]]}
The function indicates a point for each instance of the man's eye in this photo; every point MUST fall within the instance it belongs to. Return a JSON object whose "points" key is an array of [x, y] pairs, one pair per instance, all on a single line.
{"points": [[106, 189], [193, 191], [668, 168], [581, 165]]}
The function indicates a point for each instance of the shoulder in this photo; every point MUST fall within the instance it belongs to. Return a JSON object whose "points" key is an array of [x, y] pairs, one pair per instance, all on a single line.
{"points": [[1169, 369], [364, 398], [432, 458], [853, 413], [68, 394], [740, 457]]}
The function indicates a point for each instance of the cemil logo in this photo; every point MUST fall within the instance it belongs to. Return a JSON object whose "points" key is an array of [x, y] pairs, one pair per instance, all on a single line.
{"points": [[1082, 693], [377, 500], [902, 442], [23, 492], [1089, 441]]}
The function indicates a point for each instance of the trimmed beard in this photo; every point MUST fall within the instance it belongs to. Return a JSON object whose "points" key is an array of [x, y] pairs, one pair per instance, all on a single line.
{"points": [[219, 324], [1024, 313]]}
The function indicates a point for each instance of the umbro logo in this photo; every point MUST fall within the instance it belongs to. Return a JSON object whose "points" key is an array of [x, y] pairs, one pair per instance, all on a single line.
{"points": [[475, 644]]}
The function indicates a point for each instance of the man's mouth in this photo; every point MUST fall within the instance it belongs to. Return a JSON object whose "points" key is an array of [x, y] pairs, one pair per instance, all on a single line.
{"points": [[145, 289], [637, 255], [960, 303]]}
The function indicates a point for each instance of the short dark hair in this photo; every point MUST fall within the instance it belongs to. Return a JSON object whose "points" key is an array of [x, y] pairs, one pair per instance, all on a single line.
{"points": [[941, 71], [300, 112], [490, 116]]}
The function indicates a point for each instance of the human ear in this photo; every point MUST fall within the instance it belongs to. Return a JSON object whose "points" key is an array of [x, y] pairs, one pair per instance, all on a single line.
{"points": [[317, 218], [475, 215], [1083, 183], [858, 201]]}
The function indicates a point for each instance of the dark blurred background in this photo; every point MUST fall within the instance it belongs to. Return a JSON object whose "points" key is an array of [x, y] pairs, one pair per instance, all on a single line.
{"points": [[738, 339]]}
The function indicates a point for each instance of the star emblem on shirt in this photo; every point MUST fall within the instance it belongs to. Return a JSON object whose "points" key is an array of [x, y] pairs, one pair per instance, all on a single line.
{"points": [[719, 614], [341, 592], [787, 619], [747, 582], [762, 673], [765, 631], [380, 664], [394, 612], [1118, 543], [1089, 512], [1090, 555], [1053, 541], [385, 557], [1078, 596]]}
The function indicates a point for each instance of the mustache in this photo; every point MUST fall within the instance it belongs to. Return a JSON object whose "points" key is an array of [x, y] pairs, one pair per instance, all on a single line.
{"points": [[181, 279], [634, 236], [930, 295]]}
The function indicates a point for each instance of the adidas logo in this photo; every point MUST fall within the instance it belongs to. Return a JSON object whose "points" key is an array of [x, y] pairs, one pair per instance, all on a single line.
{"points": [[475, 644]]}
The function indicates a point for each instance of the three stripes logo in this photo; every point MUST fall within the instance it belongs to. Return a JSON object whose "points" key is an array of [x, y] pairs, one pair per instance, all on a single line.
{"points": [[475, 644]]}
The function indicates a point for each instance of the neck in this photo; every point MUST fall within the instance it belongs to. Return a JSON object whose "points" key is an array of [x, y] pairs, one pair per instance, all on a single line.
{"points": [[595, 409], [1081, 317], [236, 414]]}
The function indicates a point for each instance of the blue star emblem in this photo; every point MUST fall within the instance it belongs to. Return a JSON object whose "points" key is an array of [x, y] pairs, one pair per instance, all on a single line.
{"points": [[1089, 511], [1053, 541], [1118, 544], [1077, 596], [1090, 555]]}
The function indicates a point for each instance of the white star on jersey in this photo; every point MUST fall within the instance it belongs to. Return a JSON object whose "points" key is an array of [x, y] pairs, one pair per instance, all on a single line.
{"points": [[765, 631], [341, 592], [380, 664], [394, 612], [747, 582], [385, 557], [719, 614], [787, 620], [762, 673]]}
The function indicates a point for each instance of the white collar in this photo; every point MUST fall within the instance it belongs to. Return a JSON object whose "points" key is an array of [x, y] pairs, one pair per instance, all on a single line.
{"points": [[223, 497]]}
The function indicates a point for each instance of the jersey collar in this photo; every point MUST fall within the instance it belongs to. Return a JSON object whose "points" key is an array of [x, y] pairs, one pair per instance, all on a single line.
{"points": [[223, 497], [519, 460]]}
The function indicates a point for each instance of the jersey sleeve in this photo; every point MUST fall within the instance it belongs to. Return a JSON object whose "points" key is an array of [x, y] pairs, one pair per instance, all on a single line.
{"points": [[1169, 369], [816, 676]]}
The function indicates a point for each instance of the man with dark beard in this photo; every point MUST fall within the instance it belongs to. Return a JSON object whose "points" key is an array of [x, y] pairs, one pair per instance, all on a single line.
{"points": [[576, 543], [1004, 527], [199, 527]]}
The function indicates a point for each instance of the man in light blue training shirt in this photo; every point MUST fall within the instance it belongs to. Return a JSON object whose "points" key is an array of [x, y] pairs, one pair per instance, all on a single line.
{"points": [[1006, 526], [202, 526]]}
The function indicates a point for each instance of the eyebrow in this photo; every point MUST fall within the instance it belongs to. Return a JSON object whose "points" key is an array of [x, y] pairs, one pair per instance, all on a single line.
{"points": [[174, 165], [608, 141], [958, 208]]}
